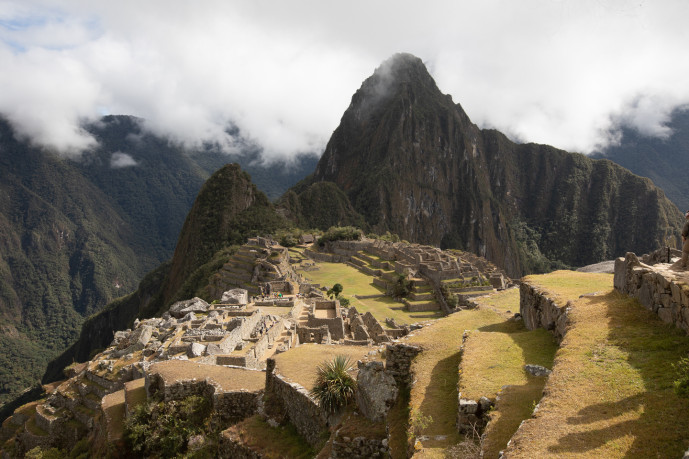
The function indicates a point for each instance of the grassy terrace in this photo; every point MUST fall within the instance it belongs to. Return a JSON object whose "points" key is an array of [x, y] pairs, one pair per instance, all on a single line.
{"points": [[299, 363], [357, 283], [269, 441], [495, 353], [610, 394]]}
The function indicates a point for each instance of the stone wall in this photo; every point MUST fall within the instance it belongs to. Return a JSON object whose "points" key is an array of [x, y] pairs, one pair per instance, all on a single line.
{"points": [[539, 311], [335, 325], [660, 288], [295, 402], [230, 445], [359, 447], [230, 405], [398, 358]]}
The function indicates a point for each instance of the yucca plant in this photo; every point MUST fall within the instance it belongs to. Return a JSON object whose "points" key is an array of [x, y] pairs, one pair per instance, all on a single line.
{"points": [[334, 387]]}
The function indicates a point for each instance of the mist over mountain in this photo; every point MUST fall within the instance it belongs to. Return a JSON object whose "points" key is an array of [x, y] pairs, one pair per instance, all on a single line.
{"points": [[411, 162], [78, 233], [663, 160]]}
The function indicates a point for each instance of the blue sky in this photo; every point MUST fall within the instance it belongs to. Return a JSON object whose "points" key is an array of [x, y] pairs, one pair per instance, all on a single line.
{"points": [[567, 73]]}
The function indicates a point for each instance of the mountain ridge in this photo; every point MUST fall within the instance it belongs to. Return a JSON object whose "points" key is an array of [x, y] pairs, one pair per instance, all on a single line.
{"points": [[411, 162]]}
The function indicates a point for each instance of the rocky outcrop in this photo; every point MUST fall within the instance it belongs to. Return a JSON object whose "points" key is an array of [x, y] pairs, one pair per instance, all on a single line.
{"points": [[376, 391], [411, 162]]}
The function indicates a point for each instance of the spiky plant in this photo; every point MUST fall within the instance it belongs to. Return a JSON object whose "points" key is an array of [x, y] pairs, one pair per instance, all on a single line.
{"points": [[334, 386]]}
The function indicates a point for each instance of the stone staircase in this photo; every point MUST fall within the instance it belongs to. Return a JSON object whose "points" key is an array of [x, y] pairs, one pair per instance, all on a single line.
{"points": [[421, 298]]}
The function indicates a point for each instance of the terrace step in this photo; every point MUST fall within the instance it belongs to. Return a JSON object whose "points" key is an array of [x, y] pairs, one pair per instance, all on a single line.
{"points": [[113, 409], [134, 394]]}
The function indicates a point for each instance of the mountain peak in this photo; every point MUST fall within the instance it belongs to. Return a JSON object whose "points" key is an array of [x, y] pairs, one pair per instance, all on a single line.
{"points": [[399, 70]]}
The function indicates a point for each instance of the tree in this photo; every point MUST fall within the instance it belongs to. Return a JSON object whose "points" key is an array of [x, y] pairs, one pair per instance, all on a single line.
{"points": [[335, 290]]}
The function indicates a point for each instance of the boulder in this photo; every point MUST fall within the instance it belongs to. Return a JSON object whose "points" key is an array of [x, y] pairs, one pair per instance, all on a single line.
{"points": [[196, 350], [376, 391], [181, 308], [536, 370], [235, 296]]}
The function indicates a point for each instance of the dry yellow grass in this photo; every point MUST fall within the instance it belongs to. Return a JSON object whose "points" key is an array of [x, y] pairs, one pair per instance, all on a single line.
{"points": [[228, 378], [494, 356], [610, 394], [299, 364]]}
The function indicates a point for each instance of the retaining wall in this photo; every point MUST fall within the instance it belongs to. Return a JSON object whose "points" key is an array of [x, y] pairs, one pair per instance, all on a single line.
{"points": [[539, 311], [661, 288], [301, 409]]}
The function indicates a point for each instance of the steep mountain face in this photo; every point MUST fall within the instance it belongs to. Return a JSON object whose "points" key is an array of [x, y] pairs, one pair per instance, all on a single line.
{"points": [[665, 161], [64, 253], [76, 234], [228, 209], [411, 162]]}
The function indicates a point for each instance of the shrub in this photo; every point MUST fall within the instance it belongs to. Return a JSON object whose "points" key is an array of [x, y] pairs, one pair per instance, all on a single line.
{"points": [[163, 428], [340, 233], [334, 387], [682, 382], [335, 290], [402, 287]]}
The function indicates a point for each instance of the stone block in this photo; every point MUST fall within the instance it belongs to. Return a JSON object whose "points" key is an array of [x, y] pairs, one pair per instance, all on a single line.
{"points": [[235, 296], [468, 406], [665, 315], [376, 391]]}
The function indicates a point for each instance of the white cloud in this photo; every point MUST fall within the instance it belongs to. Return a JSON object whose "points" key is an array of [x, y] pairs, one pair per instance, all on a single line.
{"points": [[119, 160], [559, 72]]}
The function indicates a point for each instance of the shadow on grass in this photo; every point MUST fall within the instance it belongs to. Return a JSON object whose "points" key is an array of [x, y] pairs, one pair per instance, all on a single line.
{"points": [[651, 348], [440, 400]]}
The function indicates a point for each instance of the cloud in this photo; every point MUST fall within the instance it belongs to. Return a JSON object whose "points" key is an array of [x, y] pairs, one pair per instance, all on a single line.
{"points": [[119, 160], [559, 72]]}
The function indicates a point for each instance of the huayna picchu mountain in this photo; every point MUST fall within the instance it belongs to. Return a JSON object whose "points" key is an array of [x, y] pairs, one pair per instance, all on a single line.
{"points": [[411, 162]]}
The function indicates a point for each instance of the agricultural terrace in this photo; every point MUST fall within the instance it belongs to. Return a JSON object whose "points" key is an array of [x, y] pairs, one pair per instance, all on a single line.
{"points": [[354, 282], [494, 356], [611, 392], [299, 364]]}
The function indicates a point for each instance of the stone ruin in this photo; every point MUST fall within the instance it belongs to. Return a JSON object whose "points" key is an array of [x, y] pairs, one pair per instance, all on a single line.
{"points": [[327, 323], [447, 273]]}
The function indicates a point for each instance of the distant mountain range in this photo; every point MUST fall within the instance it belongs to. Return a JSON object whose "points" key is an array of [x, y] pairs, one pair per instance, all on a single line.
{"points": [[76, 234]]}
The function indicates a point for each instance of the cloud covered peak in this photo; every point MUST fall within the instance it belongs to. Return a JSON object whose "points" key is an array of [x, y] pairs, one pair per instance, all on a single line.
{"points": [[564, 73]]}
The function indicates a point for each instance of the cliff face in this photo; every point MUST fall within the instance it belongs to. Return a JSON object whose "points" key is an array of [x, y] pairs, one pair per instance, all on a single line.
{"points": [[411, 162]]}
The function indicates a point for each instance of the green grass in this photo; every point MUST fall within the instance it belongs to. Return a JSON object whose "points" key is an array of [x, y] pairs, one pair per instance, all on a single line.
{"points": [[610, 394], [269, 441], [494, 356], [387, 307], [354, 281]]}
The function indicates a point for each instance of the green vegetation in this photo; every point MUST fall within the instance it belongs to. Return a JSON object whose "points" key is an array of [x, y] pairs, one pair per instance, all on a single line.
{"points": [[319, 205], [612, 390], [337, 233], [402, 287], [334, 387], [335, 290], [271, 442], [163, 429], [681, 384]]}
